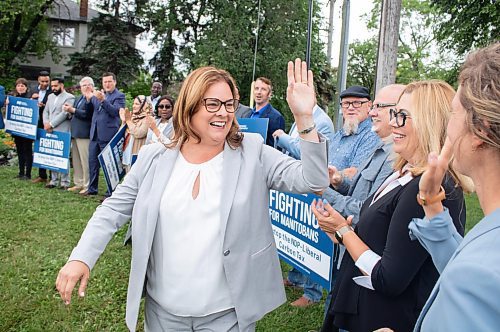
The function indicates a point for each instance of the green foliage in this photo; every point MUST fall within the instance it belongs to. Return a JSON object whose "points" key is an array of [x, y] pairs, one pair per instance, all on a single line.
{"points": [[418, 50], [142, 85], [282, 37], [108, 48], [362, 63], [467, 24], [6, 143], [24, 29]]}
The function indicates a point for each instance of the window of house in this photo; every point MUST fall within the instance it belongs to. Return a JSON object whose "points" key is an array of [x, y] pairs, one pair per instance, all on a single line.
{"points": [[64, 36]]}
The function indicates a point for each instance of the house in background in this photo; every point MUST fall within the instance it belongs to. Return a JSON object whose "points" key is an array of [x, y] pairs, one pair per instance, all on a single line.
{"points": [[68, 23]]}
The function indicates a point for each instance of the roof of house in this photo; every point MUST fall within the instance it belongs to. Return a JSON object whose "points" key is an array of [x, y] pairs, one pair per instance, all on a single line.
{"points": [[70, 11]]}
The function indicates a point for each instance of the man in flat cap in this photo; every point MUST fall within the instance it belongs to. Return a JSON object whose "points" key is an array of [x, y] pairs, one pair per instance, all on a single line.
{"points": [[355, 141]]}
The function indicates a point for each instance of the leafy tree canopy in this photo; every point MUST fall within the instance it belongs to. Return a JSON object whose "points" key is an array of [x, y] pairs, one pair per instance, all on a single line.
{"points": [[467, 24], [24, 30]]}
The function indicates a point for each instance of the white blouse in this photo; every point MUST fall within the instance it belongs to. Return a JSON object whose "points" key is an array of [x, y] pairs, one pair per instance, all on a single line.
{"points": [[185, 272]]}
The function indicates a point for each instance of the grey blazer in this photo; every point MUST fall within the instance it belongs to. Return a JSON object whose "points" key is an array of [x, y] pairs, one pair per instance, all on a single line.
{"points": [[249, 253], [54, 112]]}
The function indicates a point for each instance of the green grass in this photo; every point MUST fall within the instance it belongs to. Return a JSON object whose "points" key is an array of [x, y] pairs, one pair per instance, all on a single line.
{"points": [[39, 228]]}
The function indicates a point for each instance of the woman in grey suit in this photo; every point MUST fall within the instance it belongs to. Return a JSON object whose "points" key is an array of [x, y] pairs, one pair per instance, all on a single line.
{"points": [[203, 247]]}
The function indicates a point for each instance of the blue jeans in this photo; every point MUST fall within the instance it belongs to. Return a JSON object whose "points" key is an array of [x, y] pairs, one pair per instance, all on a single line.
{"points": [[312, 290]]}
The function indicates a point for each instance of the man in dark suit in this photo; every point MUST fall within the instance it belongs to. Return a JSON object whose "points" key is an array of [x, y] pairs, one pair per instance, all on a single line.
{"points": [[105, 123], [82, 111], [263, 90], [41, 94]]}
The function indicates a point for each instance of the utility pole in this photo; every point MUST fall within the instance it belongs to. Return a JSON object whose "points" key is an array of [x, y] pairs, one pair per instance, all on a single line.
{"points": [[330, 32], [309, 34], [387, 54], [342, 69]]}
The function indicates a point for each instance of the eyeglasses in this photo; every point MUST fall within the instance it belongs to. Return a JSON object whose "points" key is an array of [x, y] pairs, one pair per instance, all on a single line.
{"points": [[382, 105], [355, 104], [166, 107], [400, 116], [213, 105]]}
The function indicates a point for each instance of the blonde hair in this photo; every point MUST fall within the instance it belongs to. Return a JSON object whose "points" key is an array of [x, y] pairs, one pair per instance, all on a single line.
{"points": [[430, 112], [479, 81], [190, 98]]}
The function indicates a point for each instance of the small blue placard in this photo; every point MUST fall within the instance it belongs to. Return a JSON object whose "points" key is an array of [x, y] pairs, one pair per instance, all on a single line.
{"points": [[51, 151], [299, 240], [255, 125], [110, 159], [22, 117]]}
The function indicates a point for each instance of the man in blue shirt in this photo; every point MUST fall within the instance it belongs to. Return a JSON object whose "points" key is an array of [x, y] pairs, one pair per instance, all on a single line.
{"points": [[262, 93], [355, 141]]}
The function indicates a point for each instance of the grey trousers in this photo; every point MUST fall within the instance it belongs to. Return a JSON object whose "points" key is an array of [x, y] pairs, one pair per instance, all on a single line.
{"points": [[158, 320], [55, 177]]}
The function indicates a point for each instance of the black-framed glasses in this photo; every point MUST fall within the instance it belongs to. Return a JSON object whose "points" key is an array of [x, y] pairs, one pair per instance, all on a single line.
{"points": [[355, 104], [163, 106], [213, 105], [400, 116], [382, 105]]}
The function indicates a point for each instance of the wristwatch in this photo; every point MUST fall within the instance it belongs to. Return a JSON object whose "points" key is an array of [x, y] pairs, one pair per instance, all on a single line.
{"points": [[339, 234], [441, 195]]}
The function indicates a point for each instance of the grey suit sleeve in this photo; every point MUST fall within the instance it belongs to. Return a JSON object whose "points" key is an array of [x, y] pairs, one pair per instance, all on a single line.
{"points": [[113, 213], [63, 116], [345, 205], [298, 176]]}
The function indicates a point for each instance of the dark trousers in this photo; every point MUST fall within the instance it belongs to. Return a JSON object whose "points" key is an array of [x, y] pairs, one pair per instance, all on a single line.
{"points": [[24, 147], [42, 173], [95, 147]]}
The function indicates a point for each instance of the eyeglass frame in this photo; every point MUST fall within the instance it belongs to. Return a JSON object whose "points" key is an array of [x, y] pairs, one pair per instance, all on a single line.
{"points": [[349, 103], [394, 114], [382, 105], [234, 100], [164, 106]]}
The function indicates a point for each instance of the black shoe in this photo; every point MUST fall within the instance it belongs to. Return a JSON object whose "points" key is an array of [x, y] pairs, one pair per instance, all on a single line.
{"points": [[19, 176], [50, 186]]}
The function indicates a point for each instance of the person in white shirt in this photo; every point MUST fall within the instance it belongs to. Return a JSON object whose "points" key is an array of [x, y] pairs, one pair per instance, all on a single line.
{"points": [[202, 250]]}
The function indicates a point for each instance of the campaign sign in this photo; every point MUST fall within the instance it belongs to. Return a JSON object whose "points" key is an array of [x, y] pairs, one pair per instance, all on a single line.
{"points": [[22, 117], [299, 240], [256, 125], [52, 151], [110, 159]]}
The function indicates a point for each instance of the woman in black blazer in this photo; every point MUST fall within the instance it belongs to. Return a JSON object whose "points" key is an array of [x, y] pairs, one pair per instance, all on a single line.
{"points": [[386, 278]]}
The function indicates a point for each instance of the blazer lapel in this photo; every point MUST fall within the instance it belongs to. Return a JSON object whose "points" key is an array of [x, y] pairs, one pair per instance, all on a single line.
{"points": [[230, 175]]}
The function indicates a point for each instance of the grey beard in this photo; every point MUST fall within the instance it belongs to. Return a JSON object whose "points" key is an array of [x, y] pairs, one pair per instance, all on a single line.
{"points": [[350, 127]]}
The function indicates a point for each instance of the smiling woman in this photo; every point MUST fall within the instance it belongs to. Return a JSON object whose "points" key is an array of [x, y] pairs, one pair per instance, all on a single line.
{"points": [[386, 278], [204, 256]]}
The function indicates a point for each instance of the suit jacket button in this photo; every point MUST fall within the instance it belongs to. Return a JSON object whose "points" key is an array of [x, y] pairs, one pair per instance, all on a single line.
{"points": [[226, 252]]}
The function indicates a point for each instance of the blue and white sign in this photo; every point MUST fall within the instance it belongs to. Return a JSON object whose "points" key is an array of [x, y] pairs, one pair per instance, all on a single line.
{"points": [[52, 151], [22, 117], [110, 159], [299, 240], [256, 125]]}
